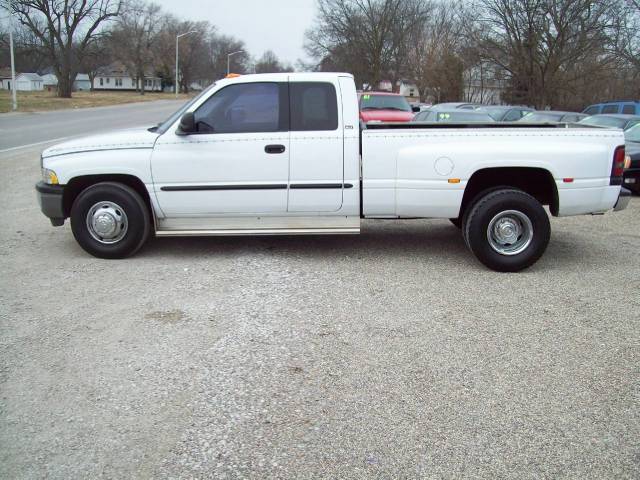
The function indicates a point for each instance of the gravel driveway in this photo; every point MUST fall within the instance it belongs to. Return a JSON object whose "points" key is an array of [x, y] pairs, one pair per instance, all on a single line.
{"points": [[394, 354]]}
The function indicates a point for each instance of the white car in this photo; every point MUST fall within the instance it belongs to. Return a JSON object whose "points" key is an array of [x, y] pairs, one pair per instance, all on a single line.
{"points": [[284, 154]]}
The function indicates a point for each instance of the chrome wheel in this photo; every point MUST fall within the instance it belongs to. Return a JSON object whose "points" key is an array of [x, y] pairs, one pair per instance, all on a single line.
{"points": [[510, 232], [107, 223]]}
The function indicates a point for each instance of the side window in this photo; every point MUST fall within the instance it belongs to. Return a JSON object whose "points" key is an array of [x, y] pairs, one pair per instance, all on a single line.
{"points": [[241, 108], [611, 108], [512, 116], [629, 109], [592, 110], [313, 106]]}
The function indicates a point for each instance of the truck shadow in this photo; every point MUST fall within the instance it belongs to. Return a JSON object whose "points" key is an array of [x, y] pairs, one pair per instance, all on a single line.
{"points": [[436, 239]]}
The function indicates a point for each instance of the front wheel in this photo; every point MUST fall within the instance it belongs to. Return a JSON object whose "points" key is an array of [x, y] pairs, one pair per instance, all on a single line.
{"points": [[110, 220], [507, 230]]}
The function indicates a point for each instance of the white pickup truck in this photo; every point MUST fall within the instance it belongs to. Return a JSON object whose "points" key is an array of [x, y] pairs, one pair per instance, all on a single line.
{"points": [[285, 154]]}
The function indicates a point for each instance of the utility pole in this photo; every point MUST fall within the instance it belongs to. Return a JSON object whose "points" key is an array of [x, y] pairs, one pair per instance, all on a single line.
{"points": [[177, 38], [13, 65]]}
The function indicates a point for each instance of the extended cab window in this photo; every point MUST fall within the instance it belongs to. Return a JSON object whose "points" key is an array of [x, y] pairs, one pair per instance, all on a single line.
{"points": [[241, 108], [313, 106]]}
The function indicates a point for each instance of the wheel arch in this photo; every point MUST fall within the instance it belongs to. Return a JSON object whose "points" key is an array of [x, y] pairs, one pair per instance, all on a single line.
{"points": [[76, 185], [537, 182]]}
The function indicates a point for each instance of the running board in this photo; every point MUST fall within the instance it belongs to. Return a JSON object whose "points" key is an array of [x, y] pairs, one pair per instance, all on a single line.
{"points": [[257, 232], [225, 226]]}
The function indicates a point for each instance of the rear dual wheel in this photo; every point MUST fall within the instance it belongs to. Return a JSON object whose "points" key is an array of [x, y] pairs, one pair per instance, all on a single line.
{"points": [[507, 229]]}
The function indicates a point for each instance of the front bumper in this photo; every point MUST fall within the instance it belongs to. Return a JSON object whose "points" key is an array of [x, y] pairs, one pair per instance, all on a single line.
{"points": [[50, 199], [623, 200]]}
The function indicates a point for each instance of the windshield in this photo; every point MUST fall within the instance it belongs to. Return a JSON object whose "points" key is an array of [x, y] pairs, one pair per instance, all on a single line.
{"points": [[600, 121], [541, 117], [384, 102], [163, 126], [633, 134], [496, 112]]}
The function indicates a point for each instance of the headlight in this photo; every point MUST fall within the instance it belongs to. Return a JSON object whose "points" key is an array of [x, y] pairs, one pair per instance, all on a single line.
{"points": [[49, 176]]}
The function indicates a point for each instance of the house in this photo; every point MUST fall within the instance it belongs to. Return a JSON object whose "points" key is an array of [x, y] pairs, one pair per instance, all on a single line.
{"points": [[50, 82], [403, 87], [28, 82], [82, 82], [483, 83], [116, 77], [5, 78]]}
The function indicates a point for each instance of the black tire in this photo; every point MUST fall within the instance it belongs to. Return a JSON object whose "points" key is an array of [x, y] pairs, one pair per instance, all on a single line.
{"points": [[524, 208], [473, 201], [138, 220], [456, 221]]}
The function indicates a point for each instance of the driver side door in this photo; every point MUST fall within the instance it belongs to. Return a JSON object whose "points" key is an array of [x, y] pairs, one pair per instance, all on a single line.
{"points": [[237, 161]]}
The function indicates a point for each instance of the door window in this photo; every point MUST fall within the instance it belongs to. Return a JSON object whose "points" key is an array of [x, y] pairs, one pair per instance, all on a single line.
{"points": [[611, 108], [243, 108], [513, 115], [629, 109], [592, 110], [314, 106]]}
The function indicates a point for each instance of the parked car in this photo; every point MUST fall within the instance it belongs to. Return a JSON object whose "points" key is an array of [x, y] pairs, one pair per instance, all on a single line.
{"points": [[453, 116], [612, 121], [419, 106], [627, 107], [506, 113], [283, 154], [460, 105], [632, 174], [552, 116], [384, 107]]}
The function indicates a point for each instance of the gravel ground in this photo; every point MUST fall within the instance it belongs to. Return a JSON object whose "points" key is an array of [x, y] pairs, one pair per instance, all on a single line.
{"points": [[394, 354]]}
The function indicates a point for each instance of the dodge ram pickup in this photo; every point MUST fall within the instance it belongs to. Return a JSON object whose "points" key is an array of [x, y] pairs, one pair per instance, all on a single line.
{"points": [[285, 154]]}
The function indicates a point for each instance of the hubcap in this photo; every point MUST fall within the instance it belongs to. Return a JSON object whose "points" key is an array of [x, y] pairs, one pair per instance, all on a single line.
{"points": [[107, 222], [510, 232]]}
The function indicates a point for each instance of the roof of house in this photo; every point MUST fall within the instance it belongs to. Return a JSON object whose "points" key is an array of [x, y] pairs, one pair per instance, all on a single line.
{"points": [[83, 77], [34, 77]]}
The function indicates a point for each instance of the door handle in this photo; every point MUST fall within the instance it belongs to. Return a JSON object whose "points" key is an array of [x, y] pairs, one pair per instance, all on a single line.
{"points": [[274, 149]]}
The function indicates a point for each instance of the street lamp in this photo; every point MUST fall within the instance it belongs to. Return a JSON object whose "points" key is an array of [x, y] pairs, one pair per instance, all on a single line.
{"points": [[177, 38], [14, 102], [229, 55]]}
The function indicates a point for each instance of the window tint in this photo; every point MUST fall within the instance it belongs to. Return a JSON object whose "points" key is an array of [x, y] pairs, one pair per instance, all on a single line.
{"points": [[611, 108], [513, 115], [592, 110], [313, 106], [629, 109], [241, 108]]}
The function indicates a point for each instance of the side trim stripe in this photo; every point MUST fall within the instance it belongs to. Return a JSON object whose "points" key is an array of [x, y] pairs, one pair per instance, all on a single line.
{"points": [[275, 186]]}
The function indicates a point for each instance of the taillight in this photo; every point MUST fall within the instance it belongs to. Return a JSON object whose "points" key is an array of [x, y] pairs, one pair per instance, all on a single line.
{"points": [[617, 169]]}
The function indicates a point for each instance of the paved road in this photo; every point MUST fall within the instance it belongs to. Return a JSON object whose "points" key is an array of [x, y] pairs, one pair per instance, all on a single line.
{"points": [[19, 129], [393, 354]]}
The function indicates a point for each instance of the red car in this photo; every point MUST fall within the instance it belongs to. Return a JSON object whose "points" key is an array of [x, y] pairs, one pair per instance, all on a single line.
{"points": [[384, 107]]}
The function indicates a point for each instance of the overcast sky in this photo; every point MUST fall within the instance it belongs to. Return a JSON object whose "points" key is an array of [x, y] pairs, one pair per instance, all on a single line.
{"points": [[277, 25]]}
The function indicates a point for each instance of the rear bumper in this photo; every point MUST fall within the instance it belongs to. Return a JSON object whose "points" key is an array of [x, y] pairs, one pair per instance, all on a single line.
{"points": [[50, 199], [632, 179], [623, 200]]}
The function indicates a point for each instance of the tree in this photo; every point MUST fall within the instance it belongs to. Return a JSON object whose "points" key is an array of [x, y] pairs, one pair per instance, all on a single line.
{"points": [[220, 46], [66, 29], [134, 36], [539, 42], [269, 63], [371, 38]]}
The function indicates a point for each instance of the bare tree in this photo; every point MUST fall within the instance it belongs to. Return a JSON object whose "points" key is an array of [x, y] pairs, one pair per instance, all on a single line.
{"points": [[269, 63], [66, 29], [369, 37], [134, 36], [626, 34], [538, 41]]}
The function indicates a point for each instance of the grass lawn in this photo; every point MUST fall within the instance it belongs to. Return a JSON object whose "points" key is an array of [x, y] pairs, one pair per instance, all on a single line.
{"points": [[39, 101]]}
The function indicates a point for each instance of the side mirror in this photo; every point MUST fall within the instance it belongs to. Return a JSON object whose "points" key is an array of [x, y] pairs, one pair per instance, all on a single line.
{"points": [[415, 109], [187, 124]]}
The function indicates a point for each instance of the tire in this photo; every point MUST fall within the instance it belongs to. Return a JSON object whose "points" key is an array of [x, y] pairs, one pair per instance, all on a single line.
{"points": [[522, 240], [456, 221], [110, 220], [473, 201]]}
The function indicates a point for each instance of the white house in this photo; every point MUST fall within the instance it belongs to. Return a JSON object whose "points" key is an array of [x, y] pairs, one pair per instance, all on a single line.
{"points": [[5, 78], [50, 82], [404, 87], [29, 82], [116, 77], [81, 82]]}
